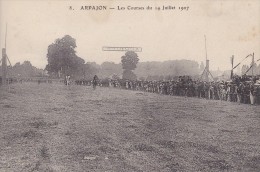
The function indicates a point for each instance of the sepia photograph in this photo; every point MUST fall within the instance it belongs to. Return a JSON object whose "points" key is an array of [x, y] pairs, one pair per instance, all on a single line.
{"points": [[130, 86]]}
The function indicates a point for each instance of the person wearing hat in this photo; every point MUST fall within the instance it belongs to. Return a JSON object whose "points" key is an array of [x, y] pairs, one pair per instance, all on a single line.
{"points": [[233, 93], [228, 92], [239, 92], [246, 92], [258, 94], [223, 92], [252, 93]]}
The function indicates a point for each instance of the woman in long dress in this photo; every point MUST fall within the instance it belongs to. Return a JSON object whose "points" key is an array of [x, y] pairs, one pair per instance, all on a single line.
{"points": [[252, 94]]}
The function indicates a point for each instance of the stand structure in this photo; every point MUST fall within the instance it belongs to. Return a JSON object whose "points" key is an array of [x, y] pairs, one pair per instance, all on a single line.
{"points": [[206, 73], [4, 62]]}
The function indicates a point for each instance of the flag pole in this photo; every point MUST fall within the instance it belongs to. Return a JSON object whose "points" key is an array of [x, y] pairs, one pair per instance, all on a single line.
{"points": [[253, 64], [5, 35], [232, 63]]}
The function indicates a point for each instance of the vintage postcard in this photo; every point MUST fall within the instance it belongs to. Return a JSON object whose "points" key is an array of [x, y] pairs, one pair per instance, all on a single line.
{"points": [[125, 86]]}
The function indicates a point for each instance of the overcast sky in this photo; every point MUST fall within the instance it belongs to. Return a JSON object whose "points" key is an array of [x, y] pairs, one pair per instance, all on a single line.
{"points": [[232, 27]]}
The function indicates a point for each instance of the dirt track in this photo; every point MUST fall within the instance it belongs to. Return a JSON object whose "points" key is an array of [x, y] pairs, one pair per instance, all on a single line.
{"points": [[51, 127]]}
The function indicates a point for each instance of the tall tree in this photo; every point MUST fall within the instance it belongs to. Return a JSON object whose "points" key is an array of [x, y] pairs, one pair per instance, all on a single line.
{"points": [[129, 62], [62, 57]]}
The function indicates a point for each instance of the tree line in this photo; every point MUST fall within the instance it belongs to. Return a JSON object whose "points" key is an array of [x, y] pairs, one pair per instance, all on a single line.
{"points": [[63, 60], [23, 70]]}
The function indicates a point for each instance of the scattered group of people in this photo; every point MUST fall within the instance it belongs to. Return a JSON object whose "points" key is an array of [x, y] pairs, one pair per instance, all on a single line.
{"points": [[240, 89]]}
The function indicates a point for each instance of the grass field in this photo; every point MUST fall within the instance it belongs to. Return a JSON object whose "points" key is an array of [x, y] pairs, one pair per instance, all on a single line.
{"points": [[52, 127]]}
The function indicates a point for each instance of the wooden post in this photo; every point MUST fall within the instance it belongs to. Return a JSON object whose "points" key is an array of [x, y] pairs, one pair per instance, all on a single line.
{"points": [[207, 71], [232, 63], [4, 66], [253, 61]]}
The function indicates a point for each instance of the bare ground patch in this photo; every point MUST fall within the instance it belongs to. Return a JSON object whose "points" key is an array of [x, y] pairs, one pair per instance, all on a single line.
{"points": [[58, 128]]}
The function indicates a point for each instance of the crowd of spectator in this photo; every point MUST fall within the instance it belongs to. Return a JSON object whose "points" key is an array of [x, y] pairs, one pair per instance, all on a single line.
{"points": [[243, 89]]}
